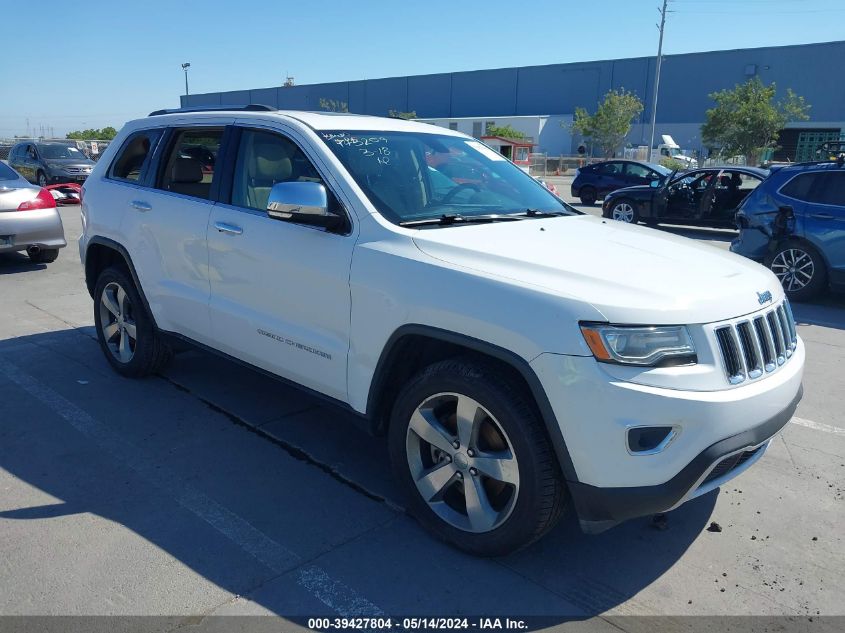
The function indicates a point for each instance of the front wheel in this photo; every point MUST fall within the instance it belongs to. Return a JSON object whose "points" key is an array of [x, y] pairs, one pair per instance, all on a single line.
{"points": [[472, 458], [42, 179], [800, 269], [124, 329], [624, 211]]}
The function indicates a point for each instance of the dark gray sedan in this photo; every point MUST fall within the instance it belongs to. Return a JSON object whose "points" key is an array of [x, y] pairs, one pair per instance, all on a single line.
{"points": [[29, 220]]}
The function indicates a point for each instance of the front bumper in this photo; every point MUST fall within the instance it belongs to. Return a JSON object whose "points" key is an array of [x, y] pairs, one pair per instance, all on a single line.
{"points": [[39, 227], [595, 411], [57, 179]]}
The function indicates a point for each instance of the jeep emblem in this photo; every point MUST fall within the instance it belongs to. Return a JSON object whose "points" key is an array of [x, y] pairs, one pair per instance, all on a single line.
{"points": [[763, 297]]}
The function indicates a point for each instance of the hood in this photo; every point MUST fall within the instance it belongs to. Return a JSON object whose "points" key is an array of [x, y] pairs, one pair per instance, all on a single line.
{"points": [[631, 274]]}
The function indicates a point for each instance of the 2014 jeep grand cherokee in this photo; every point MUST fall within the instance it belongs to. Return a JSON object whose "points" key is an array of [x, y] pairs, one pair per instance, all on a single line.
{"points": [[415, 276]]}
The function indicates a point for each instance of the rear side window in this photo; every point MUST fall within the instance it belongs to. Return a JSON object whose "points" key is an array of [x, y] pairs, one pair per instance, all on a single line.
{"points": [[134, 156], [832, 189], [189, 167], [800, 187]]}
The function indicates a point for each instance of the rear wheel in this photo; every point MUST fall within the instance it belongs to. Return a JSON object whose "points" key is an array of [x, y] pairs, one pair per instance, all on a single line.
{"points": [[588, 195], [800, 269], [124, 329], [43, 256], [473, 460], [624, 211]]}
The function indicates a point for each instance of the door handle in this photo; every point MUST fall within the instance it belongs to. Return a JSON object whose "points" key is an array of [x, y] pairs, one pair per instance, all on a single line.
{"points": [[222, 227], [821, 216], [140, 205]]}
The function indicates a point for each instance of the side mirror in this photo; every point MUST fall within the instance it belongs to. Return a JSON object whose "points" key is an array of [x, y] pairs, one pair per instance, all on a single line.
{"points": [[303, 203]]}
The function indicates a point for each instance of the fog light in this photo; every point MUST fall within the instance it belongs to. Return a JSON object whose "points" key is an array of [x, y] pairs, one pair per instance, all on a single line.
{"points": [[648, 440]]}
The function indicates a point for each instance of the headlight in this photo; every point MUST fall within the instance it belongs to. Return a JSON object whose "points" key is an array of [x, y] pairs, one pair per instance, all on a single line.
{"points": [[640, 345]]}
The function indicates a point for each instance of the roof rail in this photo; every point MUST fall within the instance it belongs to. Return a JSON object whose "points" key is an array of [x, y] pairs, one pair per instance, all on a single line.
{"points": [[252, 107]]}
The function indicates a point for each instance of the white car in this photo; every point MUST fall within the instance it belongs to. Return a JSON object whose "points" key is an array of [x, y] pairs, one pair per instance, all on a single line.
{"points": [[418, 278]]}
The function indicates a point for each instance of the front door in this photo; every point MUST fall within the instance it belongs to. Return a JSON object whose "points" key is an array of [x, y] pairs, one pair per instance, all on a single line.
{"points": [[280, 296]]}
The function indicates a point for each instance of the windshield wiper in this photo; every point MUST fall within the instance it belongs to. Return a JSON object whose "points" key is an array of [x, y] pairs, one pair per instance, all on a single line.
{"points": [[537, 213], [448, 219]]}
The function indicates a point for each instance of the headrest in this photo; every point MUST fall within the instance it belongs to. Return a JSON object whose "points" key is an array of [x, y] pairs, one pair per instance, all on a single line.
{"points": [[186, 170], [272, 162]]}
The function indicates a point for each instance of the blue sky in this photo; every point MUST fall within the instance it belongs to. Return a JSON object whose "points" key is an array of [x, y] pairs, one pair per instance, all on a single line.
{"points": [[102, 63]]}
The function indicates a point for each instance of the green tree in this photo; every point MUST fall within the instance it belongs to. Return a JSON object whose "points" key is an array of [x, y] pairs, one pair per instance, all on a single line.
{"points": [[396, 114], [747, 120], [105, 134], [333, 105], [505, 131], [611, 123]]}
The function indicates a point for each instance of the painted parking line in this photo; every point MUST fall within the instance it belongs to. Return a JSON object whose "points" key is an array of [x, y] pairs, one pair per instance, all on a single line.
{"points": [[819, 426], [334, 594]]}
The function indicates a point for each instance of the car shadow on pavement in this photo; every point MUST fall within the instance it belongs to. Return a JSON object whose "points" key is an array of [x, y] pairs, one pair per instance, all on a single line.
{"points": [[17, 263], [162, 460]]}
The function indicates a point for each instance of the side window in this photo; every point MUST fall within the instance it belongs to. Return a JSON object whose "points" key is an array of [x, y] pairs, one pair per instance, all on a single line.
{"points": [[189, 165], [800, 186], [264, 159], [134, 156], [608, 169], [832, 189], [638, 171]]}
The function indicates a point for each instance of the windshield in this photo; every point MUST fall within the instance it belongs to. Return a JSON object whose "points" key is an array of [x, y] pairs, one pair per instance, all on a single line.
{"points": [[53, 152], [660, 169], [412, 176]]}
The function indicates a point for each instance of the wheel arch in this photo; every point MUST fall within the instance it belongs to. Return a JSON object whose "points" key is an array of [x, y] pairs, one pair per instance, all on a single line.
{"points": [[423, 345], [102, 252]]}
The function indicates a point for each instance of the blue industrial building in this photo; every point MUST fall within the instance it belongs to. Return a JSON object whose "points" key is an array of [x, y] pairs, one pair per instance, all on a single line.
{"points": [[557, 89]]}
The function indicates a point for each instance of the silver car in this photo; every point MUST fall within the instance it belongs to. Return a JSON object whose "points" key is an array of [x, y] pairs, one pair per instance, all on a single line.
{"points": [[29, 220]]}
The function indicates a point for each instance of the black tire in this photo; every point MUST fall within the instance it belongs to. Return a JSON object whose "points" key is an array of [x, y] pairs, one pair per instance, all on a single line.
{"points": [[150, 353], [588, 195], [41, 179], [542, 495], [634, 214], [44, 256], [806, 278]]}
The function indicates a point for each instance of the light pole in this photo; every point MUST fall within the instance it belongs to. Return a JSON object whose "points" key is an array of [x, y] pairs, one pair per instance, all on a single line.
{"points": [[657, 77], [185, 67]]}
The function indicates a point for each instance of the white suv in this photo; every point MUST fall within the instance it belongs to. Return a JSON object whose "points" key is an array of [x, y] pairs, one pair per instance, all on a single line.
{"points": [[522, 357]]}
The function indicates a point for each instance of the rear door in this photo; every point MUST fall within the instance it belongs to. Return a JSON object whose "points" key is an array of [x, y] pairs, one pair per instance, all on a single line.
{"points": [[610, 176], [166, 221], [824, 220]]}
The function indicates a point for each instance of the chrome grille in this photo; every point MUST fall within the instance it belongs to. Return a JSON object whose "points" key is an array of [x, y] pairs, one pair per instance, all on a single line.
{"points": [[751, 348]]}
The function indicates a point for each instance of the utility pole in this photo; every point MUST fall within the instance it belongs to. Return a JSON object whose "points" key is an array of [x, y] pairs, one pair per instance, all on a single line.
{"points": [[657, 77]]}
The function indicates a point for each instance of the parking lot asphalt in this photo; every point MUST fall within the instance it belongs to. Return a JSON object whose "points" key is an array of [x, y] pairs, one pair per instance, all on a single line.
{"points": [[214, 490]]}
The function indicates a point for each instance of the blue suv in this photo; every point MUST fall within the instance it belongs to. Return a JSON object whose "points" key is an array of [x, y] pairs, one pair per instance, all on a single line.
{"points": [[794, 223]]}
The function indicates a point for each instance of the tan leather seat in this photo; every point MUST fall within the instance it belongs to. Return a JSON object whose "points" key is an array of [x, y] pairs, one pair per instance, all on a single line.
{"points": [[267, 163], [186, 178]]}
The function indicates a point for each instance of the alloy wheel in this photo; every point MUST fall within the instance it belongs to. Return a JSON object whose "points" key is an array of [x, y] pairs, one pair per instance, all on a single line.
{"points": [[462, 462], [117, 322], [794, 268], [42, 180], [623, 212]]}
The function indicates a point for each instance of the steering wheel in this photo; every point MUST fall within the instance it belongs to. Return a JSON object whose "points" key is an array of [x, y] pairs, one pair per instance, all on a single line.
{"points": [[461, 187]]}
